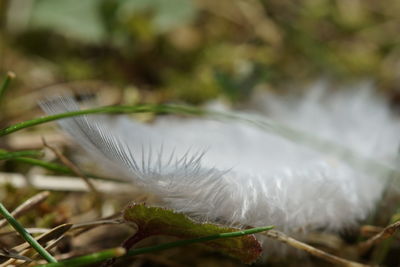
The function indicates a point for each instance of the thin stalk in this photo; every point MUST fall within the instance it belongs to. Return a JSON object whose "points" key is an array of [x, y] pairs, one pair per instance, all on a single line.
{"points": [[88, 259], [73, 168], [181, 243], [99, 256], [27, 205], [4, 86], [25, 235], [6, 155], [299, 137], [108, 109], [44, 164], [60, 168]]}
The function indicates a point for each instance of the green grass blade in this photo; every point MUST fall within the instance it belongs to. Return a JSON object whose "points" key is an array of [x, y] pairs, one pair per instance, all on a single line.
{"points": [[107, 254], [25, 235], [4, 86], [108, 109], [44, 164], [265, 124], [6, 155], [181, 243], [89, 259], [58, 168]]}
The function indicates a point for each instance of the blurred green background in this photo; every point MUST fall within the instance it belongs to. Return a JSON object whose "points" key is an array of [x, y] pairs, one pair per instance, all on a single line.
{"points": [[196, 50], [135, 51]]}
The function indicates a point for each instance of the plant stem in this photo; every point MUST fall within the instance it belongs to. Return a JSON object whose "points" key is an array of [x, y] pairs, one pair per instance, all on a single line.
{"points": [[268, 125], [44, 164], [25, 235], [360, 162], [6, 155], [88, 259], [100, 256], [60, 168], [27, 205], [3, 88], [198, 240], [108, 109]]}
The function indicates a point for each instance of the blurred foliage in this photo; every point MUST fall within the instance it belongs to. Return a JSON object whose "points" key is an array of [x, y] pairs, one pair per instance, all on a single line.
{"points": [[131, 51], [196, 50]]}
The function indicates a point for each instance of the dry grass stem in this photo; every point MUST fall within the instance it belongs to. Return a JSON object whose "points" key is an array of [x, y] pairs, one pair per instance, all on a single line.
{"points": [[12, 255], [84, 227], [96, 223], [311, 250], [29, 230], [389, 231], [25, 248], [370, 230], [64, 183], [27, 205], [46, 237], [73, 167]]}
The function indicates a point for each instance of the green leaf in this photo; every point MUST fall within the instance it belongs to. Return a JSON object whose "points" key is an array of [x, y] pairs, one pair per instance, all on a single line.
{"points": [[160, 221]]}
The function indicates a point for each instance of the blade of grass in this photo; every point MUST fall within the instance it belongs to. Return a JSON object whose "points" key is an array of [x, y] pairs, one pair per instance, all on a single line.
{"points": [[198, 240], [60, 168], [108, 109], [299, 137], [6, 155], [44, 164], [4, 86], [50, 234], [89, 259], [25, 235], [104, 255]]}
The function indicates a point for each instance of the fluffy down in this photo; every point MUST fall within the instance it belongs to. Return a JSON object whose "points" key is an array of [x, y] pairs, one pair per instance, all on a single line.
{"points": [[232, 172]]}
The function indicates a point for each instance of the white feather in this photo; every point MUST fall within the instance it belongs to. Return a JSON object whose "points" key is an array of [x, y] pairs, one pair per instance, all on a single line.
{"points": [[234, 173]]}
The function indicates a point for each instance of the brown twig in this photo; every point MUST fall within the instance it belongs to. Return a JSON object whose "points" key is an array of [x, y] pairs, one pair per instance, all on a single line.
{"points": [[96, 223], [387, 232], [368, 231], [27, 205], [73, 167], [310, 249], [81, 228]]}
